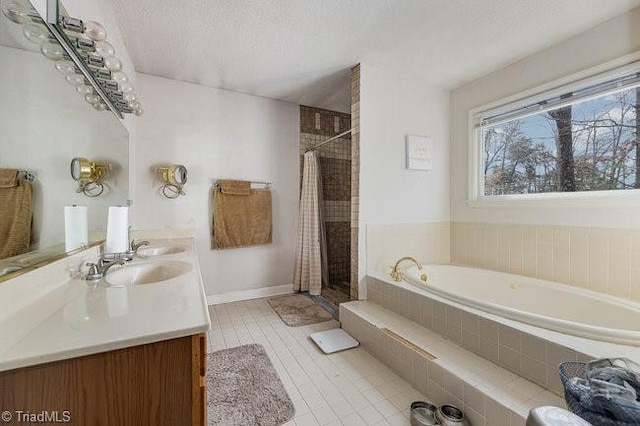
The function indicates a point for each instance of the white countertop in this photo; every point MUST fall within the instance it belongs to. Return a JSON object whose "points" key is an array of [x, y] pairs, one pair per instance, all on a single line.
{"points": [[48, 316]]}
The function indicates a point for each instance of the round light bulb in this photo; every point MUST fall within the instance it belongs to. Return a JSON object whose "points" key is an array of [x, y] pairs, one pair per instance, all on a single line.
{"points": [[35, 33], [84, 89], [74, 79], [100, 106], [52, 51], [16, 13], [134, 104], [65, 67], [129, 97], [95, 31], [104, 48], [92, 98], [112, 63], [126, 88], [119, 77]]}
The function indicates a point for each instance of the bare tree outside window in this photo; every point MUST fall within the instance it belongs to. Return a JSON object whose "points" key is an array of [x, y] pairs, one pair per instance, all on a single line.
{"points": [[587, 146]]}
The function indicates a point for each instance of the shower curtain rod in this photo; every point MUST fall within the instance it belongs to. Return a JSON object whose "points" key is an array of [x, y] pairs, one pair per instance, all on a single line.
{"points": [[328, 140]]}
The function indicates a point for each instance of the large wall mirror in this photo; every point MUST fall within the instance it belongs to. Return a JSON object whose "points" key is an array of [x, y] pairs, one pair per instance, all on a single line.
{"points": [[45, 122]]}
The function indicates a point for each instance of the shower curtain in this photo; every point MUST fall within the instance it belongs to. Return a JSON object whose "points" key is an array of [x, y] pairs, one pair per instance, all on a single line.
{"points": [[311, 252]]}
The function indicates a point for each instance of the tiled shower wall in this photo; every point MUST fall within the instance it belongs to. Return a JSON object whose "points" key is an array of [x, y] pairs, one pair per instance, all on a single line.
{"points": [[317, 125], [355, 176], [600, 259]]}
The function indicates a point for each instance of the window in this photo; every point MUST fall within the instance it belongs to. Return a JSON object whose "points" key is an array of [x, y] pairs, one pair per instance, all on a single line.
{"points": [[578, 137]]}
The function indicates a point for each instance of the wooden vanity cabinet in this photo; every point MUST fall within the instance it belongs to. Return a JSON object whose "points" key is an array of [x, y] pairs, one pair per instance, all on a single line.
{"points": [[160, 383]]}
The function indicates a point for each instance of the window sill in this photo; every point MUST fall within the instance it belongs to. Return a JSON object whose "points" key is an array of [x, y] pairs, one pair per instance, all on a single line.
{"points": [[598, 199]]}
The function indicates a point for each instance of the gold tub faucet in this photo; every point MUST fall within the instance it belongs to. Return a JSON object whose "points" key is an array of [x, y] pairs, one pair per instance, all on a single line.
{"points": [[398, 276]]}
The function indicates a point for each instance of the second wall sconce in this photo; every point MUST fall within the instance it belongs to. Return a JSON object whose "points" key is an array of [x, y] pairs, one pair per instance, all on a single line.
{"points": [[173, 177], [89, 175]]}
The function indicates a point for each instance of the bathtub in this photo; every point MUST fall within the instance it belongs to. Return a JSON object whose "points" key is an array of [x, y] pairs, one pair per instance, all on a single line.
{"points": [[533, 301]]}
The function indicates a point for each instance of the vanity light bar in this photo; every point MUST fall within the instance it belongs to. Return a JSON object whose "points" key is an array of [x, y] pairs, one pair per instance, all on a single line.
{"points": [[71, 24], [109, 85], [92, 60], [81, 53], [86, 45], [100, 72]]}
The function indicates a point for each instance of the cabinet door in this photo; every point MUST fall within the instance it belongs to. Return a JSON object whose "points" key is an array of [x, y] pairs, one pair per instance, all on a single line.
{"points": [[199, 372], [143, 385]]}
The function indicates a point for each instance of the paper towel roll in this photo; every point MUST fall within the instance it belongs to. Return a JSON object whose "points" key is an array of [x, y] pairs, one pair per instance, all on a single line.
{"points": [[76, 229], [117, 230]]}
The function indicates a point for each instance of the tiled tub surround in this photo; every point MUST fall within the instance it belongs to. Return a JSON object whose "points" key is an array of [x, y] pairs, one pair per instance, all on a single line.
{"points": [[447, 373], [316, 126], [606, 260], [386, 243], [529, 351]]}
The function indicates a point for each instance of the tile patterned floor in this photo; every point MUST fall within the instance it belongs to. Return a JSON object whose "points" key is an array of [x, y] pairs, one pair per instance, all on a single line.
{"points": [[348, 388]]}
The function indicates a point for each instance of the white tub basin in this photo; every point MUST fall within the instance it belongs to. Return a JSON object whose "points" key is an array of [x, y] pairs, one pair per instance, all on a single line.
{"points": [[147, 273], [161, 250]]}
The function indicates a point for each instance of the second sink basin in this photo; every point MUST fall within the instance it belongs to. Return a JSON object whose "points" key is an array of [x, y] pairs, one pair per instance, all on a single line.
{"points": [[147, 273], [161, 250]]}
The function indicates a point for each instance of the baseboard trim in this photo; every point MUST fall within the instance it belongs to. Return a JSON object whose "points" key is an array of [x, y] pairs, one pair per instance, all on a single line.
{"points": [[236, 296]]}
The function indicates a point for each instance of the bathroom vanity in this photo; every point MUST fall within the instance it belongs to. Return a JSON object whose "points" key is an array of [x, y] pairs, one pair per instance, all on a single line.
{"points": [[128, 349], [159, 383]]}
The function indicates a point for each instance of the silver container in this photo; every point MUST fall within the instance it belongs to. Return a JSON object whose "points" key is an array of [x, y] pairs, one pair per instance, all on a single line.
{"points": [[449, 415], [423, 414]]}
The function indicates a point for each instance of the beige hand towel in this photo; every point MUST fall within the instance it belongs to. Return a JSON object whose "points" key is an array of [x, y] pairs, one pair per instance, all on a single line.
{"points": [[15, 219], [235, 187], [8, 178], [240, 220]]}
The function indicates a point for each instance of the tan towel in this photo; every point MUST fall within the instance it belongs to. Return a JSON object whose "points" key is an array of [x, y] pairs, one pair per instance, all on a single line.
{"points": [[15, 218], [241, 221], [8, 178], [235, 187]]}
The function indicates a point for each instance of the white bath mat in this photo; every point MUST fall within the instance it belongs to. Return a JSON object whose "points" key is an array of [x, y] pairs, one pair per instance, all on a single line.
{"points": [[335, 340]]}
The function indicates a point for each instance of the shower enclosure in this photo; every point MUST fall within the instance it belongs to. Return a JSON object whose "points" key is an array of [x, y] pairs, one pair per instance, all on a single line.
{"points": [[327, 133]]}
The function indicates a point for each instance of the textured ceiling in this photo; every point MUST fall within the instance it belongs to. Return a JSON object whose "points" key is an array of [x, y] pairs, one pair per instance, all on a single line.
{"points": [[301, 50]]}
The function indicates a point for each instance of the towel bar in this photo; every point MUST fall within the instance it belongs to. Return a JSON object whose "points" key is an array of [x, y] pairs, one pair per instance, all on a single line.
{"points": [[267, 185], [26, 175]]}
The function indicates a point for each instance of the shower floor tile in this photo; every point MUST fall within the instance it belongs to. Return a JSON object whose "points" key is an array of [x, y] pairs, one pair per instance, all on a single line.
{"points": [[335, 296], [325, 389]]}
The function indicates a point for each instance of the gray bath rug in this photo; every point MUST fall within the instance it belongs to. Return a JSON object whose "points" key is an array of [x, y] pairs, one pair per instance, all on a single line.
{"points": [[244, 389], [297, 310], [327, 305]]}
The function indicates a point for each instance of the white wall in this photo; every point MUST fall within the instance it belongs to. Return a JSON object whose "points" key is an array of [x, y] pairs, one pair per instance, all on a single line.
{"points": [[608, 41], [219, 134], [391, 107]]}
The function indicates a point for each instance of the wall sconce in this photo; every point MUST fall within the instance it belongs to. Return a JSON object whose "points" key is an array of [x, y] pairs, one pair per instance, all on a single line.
{"points": [[89, 175], [173, 177]]}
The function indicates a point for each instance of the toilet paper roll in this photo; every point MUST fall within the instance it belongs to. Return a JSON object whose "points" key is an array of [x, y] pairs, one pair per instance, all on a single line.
{"points": [[76, 228], [117, 230]]}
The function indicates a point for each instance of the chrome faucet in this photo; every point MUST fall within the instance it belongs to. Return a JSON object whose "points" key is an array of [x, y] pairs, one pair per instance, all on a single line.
{"points": [[133, 248], [398, 276], [99, 270]]}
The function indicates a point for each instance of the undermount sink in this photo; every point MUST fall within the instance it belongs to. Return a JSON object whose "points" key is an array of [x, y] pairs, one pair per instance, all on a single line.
{"points": [[161, 250], [147, 273]]}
